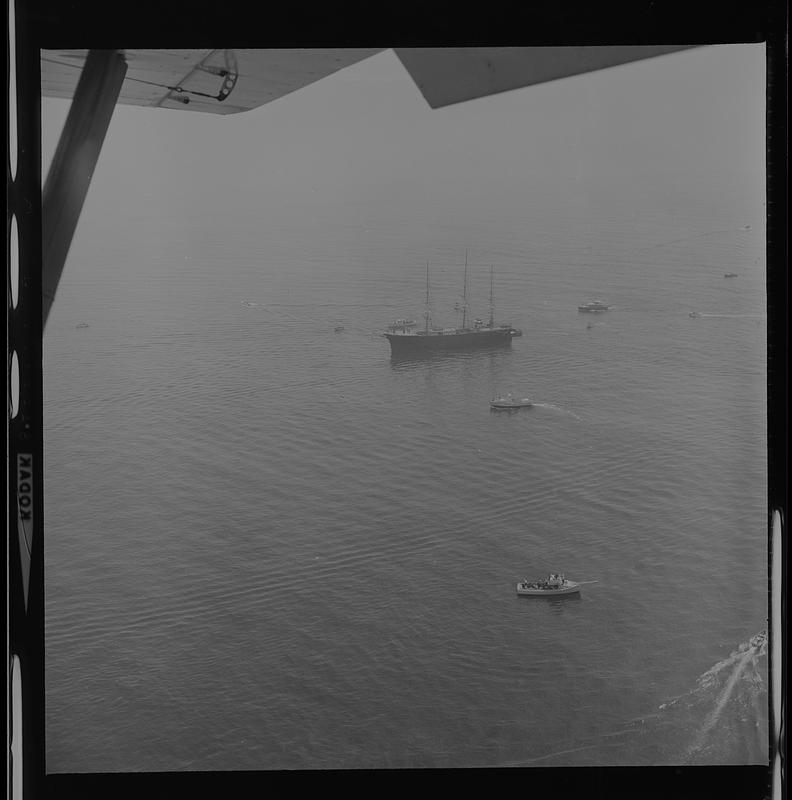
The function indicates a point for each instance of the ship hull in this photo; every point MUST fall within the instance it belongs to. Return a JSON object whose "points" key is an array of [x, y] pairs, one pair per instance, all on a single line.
{"points": [[412, 343]]}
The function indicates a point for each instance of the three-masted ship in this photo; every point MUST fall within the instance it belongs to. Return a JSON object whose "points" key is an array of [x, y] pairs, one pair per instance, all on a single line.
{"points": [[410, 340]]}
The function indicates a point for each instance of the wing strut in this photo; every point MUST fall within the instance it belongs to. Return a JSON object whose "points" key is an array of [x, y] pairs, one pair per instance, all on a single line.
{"points": [[74, 162]]}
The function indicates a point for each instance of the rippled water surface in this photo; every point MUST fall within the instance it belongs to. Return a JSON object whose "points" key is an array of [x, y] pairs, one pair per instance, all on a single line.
{"points": [[270, 546]]}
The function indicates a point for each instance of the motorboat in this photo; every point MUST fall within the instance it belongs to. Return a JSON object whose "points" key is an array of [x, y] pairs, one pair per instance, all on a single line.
{"points": [[554, 584], [594, 305], [509, 401]]}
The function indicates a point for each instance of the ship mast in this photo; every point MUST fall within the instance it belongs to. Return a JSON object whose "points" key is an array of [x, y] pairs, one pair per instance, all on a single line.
{"points": [[464, 295], [492, 301], [427, 312]]}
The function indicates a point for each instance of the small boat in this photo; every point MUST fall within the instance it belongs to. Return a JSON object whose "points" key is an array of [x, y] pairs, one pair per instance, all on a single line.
{"points": [[594, 305], [82, 325], [338, 329], [730, 275], [759, 640], [554, 584], [511, 402], [694, 314], [401, 324]]}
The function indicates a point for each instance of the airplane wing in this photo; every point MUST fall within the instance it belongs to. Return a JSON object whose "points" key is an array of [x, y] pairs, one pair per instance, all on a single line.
{"points": [[455, 74], [229, 81], [213, 81]]}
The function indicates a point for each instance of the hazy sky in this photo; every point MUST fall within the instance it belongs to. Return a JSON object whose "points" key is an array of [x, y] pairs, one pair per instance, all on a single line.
{"points": [[668, 135]]}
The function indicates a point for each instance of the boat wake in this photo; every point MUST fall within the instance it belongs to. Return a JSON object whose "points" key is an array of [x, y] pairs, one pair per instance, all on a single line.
{"points": [[730, 316], [697, 236], [263, 307], [731, 698], [723, 677], [560, 409], [722, 720]]}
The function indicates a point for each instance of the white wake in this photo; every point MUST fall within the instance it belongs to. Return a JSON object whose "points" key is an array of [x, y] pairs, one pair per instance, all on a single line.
{"points": [[734, 666]]}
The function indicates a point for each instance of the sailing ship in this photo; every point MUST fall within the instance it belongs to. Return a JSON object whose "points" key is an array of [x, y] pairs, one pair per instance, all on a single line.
{"points": [[408, 340]]}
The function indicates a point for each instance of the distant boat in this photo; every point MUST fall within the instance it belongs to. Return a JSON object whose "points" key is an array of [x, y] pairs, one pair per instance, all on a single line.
{"points": [[694, 314], [405, 341], [509, 401], [401, 324], [82, 325], [338, 328], [730, 275], [594, 305]]}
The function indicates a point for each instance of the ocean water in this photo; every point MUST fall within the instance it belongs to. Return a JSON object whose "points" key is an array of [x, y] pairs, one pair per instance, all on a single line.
{"points": [[269, 546]]}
